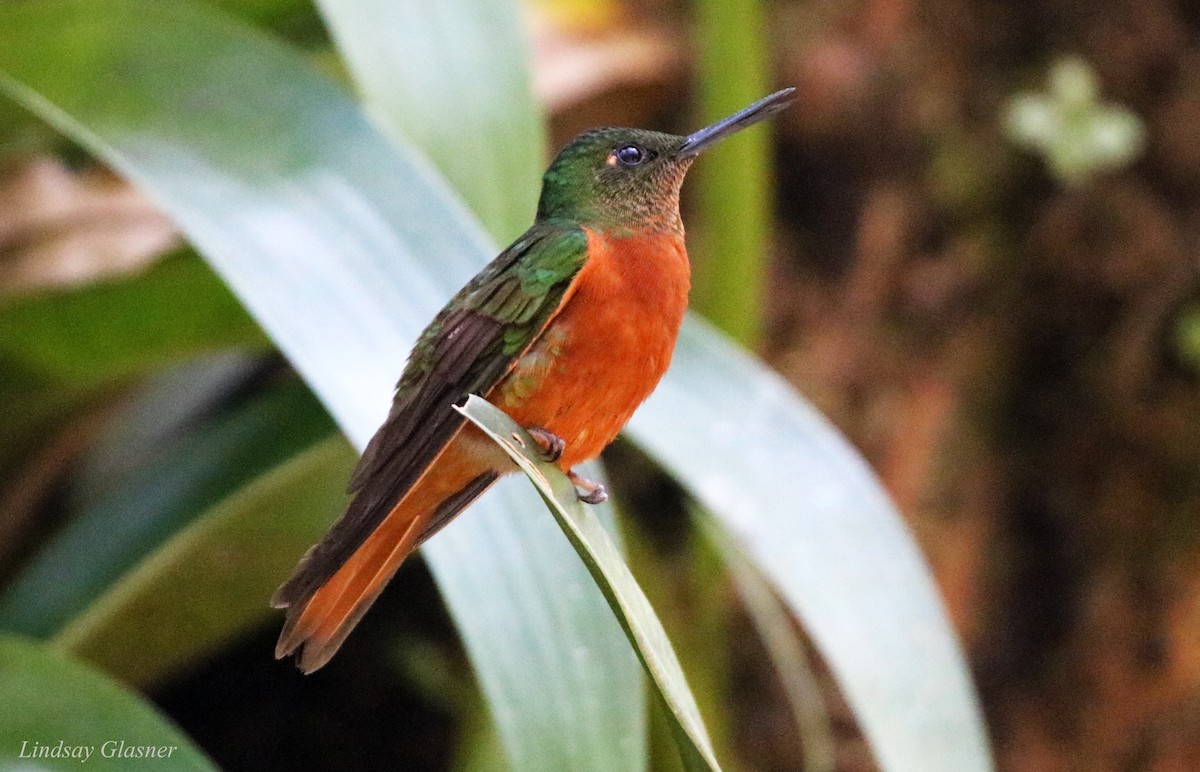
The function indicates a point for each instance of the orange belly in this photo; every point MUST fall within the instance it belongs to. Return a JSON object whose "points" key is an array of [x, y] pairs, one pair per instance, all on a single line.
{"points": [[607, 347]]}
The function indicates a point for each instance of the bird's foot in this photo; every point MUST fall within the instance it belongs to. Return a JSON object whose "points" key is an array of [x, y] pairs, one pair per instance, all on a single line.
{"points": [[588, 491], [550, 445]]}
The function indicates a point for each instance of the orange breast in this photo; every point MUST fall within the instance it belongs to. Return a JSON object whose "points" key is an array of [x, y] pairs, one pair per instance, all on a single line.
{"points": [[607, 347]]}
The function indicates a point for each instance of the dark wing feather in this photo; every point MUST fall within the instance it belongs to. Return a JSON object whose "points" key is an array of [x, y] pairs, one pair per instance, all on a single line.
{"points": [[467, 349]]}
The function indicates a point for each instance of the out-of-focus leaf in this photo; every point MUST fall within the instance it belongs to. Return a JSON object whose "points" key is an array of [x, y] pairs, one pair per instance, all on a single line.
{"points": [[464, 65], [124, 524], [268, 12], [208, 582], [1187, 337], [810, 513], [151, 418], [63, 227], [47, 698], [784, 647], [33, 406], [57, 347], [733, 182], [604, 562], [342, 246], [175, 309], [21, 135]]}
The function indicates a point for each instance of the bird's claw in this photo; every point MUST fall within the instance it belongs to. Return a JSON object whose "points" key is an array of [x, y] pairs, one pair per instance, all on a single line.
{"points": [[588, 491], [550, 445], [550, 448]]}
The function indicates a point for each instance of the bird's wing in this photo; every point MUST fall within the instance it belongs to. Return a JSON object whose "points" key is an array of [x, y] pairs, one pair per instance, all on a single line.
{"points": [[471, 344]]}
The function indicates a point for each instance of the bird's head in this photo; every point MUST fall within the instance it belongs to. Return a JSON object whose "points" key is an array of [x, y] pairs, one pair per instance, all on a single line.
{"points": [[629, 179]]}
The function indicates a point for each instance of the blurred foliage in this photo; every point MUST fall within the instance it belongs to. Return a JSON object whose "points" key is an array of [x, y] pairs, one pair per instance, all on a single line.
{"points": [[1077, 134], [733, 186], [219, 564], [79, 716], [181, 476], [1188, 337], [104, 332]]}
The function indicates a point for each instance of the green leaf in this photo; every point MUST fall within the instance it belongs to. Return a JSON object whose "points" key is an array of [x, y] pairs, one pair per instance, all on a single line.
{"points": [[464, 64], [808, 510], [541, 621], [101, 332], [621, 590], [47, 697], [1187, 337], [784, 648], [329, 235], [60, 347], [207, 584], [121, 524], [733, 184]]}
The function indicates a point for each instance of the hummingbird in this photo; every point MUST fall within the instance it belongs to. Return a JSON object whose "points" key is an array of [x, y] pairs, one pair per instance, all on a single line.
{"points": [[568, 330]]}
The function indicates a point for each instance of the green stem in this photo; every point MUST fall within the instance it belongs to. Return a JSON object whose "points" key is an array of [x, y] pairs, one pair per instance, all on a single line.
{"points": [[733, 185]]}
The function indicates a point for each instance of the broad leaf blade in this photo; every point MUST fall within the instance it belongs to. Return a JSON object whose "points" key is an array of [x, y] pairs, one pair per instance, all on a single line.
{"points": [[323, 229], [557, 619], [784, 647], [46, 697], [808, 510], [603, 559], [464, 64]]}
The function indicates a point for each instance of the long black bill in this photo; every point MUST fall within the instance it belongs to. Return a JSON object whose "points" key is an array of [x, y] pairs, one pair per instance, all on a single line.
{"points": [[759, 111]]}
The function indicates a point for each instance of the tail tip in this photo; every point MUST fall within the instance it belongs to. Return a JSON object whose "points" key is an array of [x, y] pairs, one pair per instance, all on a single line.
{"points": [[311, 655], [312, 652]]}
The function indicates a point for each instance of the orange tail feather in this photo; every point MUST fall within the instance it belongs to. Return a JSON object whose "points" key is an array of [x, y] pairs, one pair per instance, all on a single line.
{"points": [[321, 622]]}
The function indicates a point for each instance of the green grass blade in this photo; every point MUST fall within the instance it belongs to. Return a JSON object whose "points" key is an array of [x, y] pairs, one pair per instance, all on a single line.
{"points": [[463, 63], [342, 245], [46, 697], [807, 509], [608, 569]]}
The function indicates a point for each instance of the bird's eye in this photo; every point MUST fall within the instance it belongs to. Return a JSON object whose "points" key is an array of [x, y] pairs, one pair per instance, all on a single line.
{"points": [[630, 155]]}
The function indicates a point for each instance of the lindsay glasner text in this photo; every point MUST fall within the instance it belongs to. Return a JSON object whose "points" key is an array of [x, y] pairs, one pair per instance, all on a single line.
{"points": [[109, 749]]}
